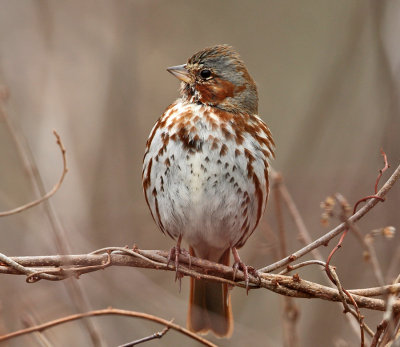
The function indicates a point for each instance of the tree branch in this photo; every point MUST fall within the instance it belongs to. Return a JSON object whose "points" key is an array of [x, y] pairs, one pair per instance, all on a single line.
{"points": [[59, 267], [157, 335], [107, 311], [75, 291], [336, 231], [48, 194]]}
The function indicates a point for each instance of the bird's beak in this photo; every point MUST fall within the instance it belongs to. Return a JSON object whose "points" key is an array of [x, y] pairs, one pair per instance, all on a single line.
{"points": [[180, 72]]}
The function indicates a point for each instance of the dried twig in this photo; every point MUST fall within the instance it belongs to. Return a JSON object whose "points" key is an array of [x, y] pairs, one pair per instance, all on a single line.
{"points": [[389, 327], [348, 225], [290, 312], [393, 269], [304, 236], [345, 297], [107, 311], [51, 192], [380, 329], [369, 252], [349, 222], [290, 268], [387, 166], [29, 320], [74, 290], [157, 335], [336, 231]]}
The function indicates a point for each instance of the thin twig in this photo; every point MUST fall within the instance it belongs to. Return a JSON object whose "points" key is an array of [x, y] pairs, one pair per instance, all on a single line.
{"points": [[372, 257], [393, 269], [290, 312], [107, 311], [304, 235], [343, 293], [28, 320], [336, 231], [348, 226], [348, 222], [370, 253], [389, 327], [331, 273], [51, 192], [279, 215], [157, 335], [380, 329], [76, 293], [290, 268], [386, 166], [367, 245]]}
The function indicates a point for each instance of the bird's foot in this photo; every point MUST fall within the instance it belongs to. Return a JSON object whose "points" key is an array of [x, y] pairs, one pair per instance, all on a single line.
{"points": [[174, 256], [239, 265]]}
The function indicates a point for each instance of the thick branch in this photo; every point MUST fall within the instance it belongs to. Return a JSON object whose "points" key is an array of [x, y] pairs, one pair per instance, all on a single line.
{"points": [[61, 267]]}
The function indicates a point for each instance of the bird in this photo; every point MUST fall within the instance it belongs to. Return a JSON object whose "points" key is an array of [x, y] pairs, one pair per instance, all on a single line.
{"points": [[206, 173]]}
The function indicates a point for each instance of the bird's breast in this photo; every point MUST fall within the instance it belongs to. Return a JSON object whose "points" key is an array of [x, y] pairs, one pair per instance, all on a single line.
{"points": [[206, 174]]}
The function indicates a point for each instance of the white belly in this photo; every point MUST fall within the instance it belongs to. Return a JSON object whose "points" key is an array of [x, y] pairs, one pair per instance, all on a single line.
{"points": [[201, 187]]}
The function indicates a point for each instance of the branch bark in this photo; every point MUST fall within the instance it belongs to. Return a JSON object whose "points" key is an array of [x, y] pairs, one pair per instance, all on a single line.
{"points": [[59, 267]]}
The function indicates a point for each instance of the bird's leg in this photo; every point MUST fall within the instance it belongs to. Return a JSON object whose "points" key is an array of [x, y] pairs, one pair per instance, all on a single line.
{"points": [[239, 265], [174, 256]]}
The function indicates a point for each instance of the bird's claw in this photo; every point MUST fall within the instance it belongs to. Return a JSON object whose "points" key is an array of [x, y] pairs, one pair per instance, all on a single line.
{"points": [[239, 265], [174, 256]]}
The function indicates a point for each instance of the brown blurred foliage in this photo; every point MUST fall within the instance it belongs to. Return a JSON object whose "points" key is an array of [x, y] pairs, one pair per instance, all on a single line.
{"points": [[328, 74]]}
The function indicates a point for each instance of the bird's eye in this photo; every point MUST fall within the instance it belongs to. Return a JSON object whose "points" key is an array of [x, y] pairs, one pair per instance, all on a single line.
{"points": [[205, 74]]}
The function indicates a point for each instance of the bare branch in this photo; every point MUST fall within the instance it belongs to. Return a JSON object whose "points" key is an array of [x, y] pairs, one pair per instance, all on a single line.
{"points": [[157, 335], [330, 271], [387, 327], [51, 192], [344, 295], [74, 290], [377, 291], [386, 166], [304, 236], [290, 268], [29, 320], [336, 231], [296, 216], [107, 311], [59, 267], [290, 314]]}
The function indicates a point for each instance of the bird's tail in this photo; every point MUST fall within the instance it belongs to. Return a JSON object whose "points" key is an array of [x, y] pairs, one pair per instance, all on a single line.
{"points": [[210, 305]]}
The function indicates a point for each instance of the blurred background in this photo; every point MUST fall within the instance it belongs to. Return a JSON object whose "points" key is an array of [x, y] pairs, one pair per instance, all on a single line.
{"points": [[328, 74]]}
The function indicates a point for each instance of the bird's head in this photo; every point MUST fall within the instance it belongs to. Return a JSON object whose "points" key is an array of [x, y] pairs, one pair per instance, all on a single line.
{"points": [[216, 76]]}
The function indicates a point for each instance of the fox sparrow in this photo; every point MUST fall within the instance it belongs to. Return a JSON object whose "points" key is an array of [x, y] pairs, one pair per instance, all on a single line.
{"points": [[205, 172]]}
